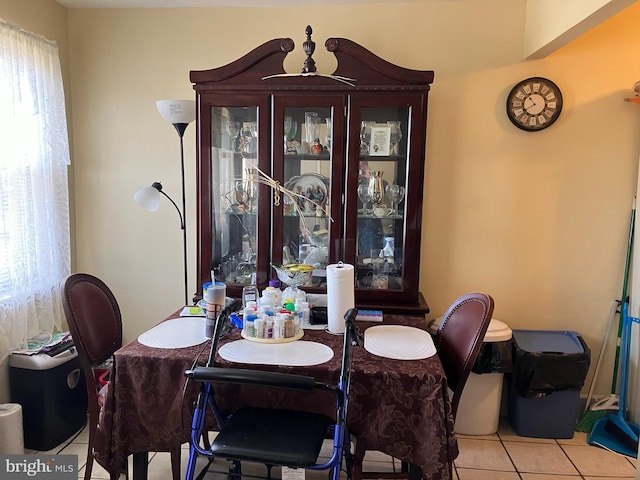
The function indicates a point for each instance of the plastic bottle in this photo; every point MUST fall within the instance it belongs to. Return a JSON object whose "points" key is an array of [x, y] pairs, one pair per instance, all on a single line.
{"points": [[275, 285], [291, 327], [302, 295], [306, 312], [289, 295], [259, 326], [268, 300], [268, 327], [252, 305], [300, 312], [249, 325], [279, 325], [250, 292]]}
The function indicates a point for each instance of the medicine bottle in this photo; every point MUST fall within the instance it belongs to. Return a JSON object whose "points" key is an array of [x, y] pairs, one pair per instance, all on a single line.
{"points": [[279, 327], [259, 326], [248, 327]]}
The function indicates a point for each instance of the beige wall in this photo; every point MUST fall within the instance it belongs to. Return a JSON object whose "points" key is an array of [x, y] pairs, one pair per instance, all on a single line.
{"points": [[538, 220]]}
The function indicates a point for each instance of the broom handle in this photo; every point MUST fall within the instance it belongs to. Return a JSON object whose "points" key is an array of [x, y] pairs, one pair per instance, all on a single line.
{"points": [[623, 298], [614, 308]]}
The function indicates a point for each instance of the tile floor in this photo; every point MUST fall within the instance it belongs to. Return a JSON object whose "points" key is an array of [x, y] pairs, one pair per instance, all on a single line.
{"points": [[502, 456]]}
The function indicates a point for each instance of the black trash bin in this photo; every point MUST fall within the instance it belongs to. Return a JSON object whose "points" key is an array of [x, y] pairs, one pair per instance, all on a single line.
{"points": [[53, 395], [550, 368]]}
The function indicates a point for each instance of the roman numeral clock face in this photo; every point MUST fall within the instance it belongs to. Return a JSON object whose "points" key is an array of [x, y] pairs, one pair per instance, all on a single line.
{"points": [[534, 104]]}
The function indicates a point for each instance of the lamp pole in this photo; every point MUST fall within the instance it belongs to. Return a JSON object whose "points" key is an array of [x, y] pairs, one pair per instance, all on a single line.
{"points": [[180, 128], [180, 113]]}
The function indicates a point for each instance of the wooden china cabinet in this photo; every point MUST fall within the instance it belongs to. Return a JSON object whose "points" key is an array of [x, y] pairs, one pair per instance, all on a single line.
{"points": [[312, 168]]}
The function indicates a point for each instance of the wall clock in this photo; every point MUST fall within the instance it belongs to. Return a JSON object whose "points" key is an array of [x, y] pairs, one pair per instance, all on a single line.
{"points": [[534, 104]]}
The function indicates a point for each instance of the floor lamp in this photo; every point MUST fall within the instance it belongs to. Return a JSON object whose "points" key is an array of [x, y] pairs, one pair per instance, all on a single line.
{"points": [[180, 113]]}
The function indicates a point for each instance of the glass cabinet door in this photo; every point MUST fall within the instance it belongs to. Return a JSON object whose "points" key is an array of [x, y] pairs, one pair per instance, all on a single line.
{"points": [[381, 179], [307, 217], [235, 215], [231, 197]]}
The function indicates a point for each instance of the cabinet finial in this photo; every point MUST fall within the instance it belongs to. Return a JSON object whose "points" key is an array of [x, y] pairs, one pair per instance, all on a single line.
{"points": [[309, 47]]}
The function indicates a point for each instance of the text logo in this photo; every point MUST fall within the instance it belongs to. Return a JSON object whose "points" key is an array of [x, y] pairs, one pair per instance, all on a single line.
{"points": [[39, 467]]}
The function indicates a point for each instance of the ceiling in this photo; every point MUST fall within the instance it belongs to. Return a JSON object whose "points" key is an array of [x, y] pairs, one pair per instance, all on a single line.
{"points": [[212, 3]]}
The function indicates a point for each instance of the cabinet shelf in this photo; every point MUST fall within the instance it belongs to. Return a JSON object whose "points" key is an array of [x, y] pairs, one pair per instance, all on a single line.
{"points": [[382, 158], [307, 156]]}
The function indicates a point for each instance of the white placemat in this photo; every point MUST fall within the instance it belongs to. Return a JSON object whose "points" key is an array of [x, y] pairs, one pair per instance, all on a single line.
{"points": [[175, 333], [295, 354], [399, 342]]}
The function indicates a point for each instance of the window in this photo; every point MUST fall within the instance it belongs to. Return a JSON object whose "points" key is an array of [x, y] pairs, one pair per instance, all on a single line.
{"points": [[34, 200]]}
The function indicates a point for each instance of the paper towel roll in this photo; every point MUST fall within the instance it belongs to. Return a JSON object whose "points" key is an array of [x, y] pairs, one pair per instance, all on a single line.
{"points": [[11, 435], [340, 295]]}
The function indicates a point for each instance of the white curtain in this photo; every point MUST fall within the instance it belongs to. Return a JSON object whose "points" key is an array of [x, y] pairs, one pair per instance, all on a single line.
{"points": [[34, 201]]}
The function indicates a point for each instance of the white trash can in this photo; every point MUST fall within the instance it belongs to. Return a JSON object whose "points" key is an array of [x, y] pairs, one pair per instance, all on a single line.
{"points": [[479, 407], [11, 436]]}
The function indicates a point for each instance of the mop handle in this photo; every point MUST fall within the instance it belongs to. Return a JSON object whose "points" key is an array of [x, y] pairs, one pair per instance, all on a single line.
{"points": [[623, 298]]}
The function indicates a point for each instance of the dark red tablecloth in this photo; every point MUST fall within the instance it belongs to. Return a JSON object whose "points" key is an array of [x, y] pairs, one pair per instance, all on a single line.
{"points": [[395, 406]]}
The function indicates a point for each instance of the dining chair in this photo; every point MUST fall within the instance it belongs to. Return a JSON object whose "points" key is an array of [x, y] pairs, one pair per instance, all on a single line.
{"points": [[274, 436], [95, 324], [458, 340]]}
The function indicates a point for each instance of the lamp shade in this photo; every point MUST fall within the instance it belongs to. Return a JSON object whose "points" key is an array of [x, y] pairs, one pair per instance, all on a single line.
{"points": [[148, 198], [177, 111]]}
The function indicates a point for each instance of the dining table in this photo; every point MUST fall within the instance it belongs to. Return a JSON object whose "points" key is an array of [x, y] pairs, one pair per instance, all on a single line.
{"points": [[397, 406]]}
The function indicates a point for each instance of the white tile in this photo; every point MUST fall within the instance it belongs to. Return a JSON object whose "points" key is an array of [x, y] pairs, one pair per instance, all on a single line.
{"points": [[544, 458], [82, 436], [493, 436], [609, 478], [505, 432], [544, 476], [97, 472], [594, 461], [483, 454], [376, 456], [472, 474], [579, 438], [78, 449]]}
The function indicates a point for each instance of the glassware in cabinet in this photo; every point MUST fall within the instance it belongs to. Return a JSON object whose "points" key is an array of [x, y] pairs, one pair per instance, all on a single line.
{"points": [[383, 234], [229, 179], [304, 223]]}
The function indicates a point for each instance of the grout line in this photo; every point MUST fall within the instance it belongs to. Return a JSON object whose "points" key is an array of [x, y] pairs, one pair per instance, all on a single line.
{"points": [[509, 456], [569, 458]]}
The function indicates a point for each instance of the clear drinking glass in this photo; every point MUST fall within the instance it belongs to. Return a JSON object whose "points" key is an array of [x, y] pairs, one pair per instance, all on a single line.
{"points": [[327, 139], [312, 125], [290, 128], [233, 130], [365, 136], [364, 194], [395, 136], [395, 193]]}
